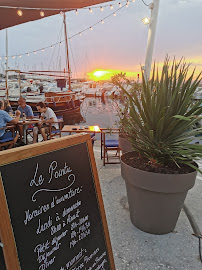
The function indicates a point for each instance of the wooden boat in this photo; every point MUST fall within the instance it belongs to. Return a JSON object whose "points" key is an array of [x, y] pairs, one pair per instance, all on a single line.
{"points": [[64, 104]]}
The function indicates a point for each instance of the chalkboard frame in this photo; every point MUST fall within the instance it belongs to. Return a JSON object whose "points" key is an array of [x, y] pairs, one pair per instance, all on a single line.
{"points": [[18, 154]]}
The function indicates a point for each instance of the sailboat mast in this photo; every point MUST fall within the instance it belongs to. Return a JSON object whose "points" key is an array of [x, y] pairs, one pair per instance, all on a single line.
{"points": [[67, 51], [6, 73]]}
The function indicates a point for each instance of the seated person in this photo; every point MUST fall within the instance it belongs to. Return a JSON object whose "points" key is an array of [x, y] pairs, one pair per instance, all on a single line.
{"points": [[8, 107], [4, 119], [47, 116], [24, 108], [27, 110]]}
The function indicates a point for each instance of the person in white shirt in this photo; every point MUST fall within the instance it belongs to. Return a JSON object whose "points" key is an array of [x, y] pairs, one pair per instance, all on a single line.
{"points": [[47, 116]]}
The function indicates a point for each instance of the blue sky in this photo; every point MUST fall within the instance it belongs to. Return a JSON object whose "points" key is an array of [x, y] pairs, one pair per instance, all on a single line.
{"points": [[119, 43]]}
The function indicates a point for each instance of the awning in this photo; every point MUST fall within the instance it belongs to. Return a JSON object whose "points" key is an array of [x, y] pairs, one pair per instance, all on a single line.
{"points": [[9, 17]]}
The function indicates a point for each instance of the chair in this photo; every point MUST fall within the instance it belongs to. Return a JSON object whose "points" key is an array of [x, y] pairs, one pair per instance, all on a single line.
{"points": [[108, 145], [29, 130], [92, 138], [57, 132], [8, 141]]}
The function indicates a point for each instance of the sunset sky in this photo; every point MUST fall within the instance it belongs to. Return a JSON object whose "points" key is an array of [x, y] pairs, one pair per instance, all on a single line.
{"points": [[118, 44]]}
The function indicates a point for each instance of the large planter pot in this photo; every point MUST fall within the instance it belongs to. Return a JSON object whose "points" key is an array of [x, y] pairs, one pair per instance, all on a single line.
{"points": [[125, 145], [155, 200]]}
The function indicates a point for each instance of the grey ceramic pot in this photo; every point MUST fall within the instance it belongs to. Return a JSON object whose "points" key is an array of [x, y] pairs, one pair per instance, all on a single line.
{"points": [[125, 145], [155, 200]]}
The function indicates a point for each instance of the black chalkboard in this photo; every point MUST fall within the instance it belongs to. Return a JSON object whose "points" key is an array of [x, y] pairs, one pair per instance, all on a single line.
{"points": [[54, 211]]}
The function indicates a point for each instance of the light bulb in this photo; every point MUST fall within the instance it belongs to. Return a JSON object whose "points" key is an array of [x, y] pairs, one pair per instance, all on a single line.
{"points": [[43, 50], [51, 47], [90, 10], [27, 54], [61, 13], [13, 57], [133, 1], [77, 12], [79, 34], [0, 58], [91, 28], [35, 52], [19, 12], [126, 5], [146, 20], [20, 56], [114, 14], [111, 7], [101, 8], [102, 21], [120, 5], [6, 58], [42, 13]]}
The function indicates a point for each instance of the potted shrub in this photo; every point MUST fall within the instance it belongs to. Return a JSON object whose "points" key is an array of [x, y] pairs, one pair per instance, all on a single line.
{"points": [[161, 169]]}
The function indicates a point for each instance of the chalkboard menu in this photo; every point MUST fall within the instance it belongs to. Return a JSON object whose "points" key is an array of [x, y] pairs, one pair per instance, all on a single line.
{"points": [[55, 208]]}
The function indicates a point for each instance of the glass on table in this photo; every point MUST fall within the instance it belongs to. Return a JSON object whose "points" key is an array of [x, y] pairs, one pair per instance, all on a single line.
{"points": [[10, 113]]}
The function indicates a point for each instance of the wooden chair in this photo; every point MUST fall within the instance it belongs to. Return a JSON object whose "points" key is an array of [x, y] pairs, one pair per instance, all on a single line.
{"points": [[108, 145], [9, 141], [29, 130], [57, 132]]}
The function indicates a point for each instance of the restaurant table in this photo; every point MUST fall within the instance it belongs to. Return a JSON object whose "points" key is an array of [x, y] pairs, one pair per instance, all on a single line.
{"points": [[26, 123], [78, 129]]}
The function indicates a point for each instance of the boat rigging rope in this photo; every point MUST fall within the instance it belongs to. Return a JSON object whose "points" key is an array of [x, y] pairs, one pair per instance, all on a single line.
{"points": [[73, 58], [59, 35]]}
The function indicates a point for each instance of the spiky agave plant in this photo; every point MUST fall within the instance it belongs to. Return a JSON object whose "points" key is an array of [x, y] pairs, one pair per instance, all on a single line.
{"points": [[164, 117]]}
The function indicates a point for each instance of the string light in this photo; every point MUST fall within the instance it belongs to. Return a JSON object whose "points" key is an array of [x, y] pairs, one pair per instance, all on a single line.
{"points": [[146, 20], [101, 8], [120, 5], [77, 12], [126, 5], [61, 13], [6, 58], [128, 2], [79, 33], [19, 12], [111, 7], [90, 10], [42, 13]]}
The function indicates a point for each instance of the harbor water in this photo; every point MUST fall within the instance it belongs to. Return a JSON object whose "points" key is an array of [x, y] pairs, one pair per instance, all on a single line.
{"points": [[101, 112]]}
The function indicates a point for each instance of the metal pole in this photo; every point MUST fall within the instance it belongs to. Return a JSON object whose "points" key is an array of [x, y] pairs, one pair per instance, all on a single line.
{"points": [[19, 82], [67, 51], [151, 37], [7, 63]]}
